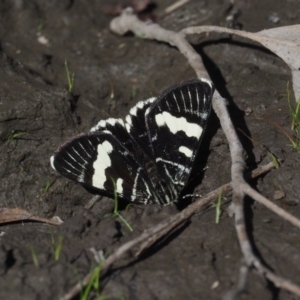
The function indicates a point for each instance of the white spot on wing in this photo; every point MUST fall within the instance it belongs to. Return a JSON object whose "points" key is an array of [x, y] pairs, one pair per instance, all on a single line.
{"points": [[133, 111], [207, 81], [103, 124], [147, 112], [128, 127], [179, 166], [204, 115], [102, 162], [52, 162], [178, 124], [119, 185], [81, 177], [140, 105], [186, 151], [111, 121], [180, 170], [98, 126], [128, 120], [133, 197], [148, 191]]}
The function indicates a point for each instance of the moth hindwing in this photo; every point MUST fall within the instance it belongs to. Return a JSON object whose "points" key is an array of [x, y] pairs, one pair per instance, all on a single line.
{"points": [[150, 156]]}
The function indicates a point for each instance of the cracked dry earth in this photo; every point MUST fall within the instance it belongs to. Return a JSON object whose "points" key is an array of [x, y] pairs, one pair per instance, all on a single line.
{"points": [[200, 260]]}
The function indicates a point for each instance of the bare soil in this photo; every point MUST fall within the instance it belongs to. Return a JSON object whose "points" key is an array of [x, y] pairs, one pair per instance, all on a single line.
{"points": [[202, 259]]}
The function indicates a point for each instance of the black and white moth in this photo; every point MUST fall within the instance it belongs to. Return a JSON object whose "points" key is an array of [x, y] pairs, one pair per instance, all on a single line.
{"points": [[149, 157]]}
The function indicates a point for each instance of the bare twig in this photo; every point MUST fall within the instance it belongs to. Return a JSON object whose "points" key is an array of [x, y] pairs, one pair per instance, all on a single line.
{"points": [[175, 6], [92, 202], [270, 205], [277, 280]]}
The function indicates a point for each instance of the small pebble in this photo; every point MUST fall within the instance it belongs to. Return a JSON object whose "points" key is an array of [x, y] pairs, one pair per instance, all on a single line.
{"points": [[248, 111], [230, 210], [278, 195], [43, 40], [274, 18], [267, 220], [215, 285]]}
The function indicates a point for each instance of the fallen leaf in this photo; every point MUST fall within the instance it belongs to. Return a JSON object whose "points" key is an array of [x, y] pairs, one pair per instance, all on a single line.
{"points": [[9, 215], [285, 42]]}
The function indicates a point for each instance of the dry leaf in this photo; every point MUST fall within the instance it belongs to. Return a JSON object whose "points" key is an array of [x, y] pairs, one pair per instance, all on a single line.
{"points": [[9, 215], [285, 42]]}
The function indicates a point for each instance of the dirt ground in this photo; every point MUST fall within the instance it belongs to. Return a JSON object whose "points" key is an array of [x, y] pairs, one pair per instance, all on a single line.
{"points": [[202, 259]]}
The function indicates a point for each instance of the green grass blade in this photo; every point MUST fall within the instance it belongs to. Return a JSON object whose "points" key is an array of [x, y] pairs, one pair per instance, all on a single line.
{"points": [[116, 212], [218, 207], [69, 78]]}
